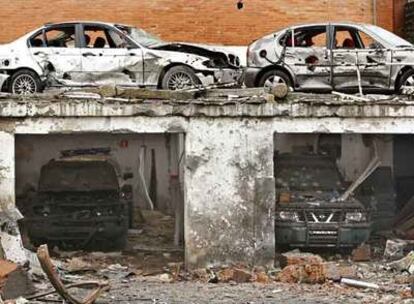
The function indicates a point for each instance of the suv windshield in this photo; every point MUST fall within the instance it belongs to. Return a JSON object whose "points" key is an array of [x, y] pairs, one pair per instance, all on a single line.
{"points": [[78, 176], [142, 37], [388, 36]]}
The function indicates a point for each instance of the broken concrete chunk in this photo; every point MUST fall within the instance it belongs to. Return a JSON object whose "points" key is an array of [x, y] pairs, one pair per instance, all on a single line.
{"points": [[405, 263], [396, 249], [12, 248], [296, 257], [279, 91]]}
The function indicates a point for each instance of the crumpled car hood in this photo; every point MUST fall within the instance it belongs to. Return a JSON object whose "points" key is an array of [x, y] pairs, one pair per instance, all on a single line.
{"points": [[219, 58]]}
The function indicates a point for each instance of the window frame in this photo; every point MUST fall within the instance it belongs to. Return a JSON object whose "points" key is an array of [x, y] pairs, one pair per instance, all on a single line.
{"points": [[47, 28], [105, 27]]}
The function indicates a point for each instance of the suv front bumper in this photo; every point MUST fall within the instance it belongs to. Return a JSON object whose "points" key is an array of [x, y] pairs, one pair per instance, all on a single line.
{"points": [[321, 235]]}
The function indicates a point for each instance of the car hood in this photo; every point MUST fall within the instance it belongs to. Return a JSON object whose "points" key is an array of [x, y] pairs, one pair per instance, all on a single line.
{"points": [[218, 57]]}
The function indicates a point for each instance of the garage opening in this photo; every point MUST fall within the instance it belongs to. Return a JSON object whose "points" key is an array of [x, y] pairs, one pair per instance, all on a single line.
{"points": [[102, 192], [341, 190]]}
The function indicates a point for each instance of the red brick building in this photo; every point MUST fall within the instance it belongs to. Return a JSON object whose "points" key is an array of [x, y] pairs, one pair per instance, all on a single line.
{"points": [[214, 21]]}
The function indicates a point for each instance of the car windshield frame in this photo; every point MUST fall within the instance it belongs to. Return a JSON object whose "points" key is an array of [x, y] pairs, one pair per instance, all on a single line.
{"points": [[142, 37], [390, 38]]}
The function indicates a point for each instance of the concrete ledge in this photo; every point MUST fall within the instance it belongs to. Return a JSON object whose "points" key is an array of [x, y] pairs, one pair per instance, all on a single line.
{"points": [[296, 106]]}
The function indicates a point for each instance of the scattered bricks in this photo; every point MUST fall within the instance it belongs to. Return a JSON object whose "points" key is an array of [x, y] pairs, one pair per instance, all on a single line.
{"points": [[310, 273], [296, 257], [200, 274], [225, 275], [403, 279], [14, 281], [241, 275], [316, 273], [362, 253], [284, 197], [262, 277], [406, 294]]}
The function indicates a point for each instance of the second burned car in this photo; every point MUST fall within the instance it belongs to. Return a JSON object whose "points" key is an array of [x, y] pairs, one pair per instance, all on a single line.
{"points": [[325, 57], [96, 53]]}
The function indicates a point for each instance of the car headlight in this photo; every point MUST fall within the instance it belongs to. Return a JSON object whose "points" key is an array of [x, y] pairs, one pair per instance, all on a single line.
{"points": [[289, 216], [355, 217]]}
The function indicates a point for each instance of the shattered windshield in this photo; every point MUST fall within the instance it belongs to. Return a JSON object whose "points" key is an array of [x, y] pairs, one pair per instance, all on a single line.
{"points": [[391, 38], [142, 37]]}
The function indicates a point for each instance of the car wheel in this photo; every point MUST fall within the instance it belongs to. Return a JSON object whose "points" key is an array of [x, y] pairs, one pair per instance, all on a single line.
{"points": [[25, 82], [406, 80], [273, 77], [179, 78]]}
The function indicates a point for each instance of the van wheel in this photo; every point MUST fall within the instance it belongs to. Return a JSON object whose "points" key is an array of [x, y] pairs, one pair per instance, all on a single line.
{"points": [[25, 82], [179, 78], [273, 77], [406, 80]]}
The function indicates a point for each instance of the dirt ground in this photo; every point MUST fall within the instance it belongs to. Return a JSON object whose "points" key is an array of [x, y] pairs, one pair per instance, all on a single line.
{"points": [[151, 270]]}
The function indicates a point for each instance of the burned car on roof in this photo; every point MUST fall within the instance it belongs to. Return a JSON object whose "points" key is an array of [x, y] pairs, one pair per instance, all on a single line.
{"points": [[95, 53], [78, 205], [309, 211], [331, 56]]}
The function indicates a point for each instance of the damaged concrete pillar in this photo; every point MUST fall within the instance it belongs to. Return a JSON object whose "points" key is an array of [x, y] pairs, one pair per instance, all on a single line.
{"points": [[229, 192], [7, 176]]}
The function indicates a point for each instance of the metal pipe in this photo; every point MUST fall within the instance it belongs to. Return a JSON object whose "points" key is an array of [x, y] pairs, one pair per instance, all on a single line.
{"points": [[374, 12]]}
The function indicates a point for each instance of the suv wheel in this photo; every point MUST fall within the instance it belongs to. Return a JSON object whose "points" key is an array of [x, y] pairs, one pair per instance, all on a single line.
{"points": [[179, 78], [273, 77], [25, 82]]}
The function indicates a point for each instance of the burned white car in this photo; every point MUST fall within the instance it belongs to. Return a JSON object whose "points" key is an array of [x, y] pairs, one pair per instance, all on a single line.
{"points": [[94, 53], [331, 56]]}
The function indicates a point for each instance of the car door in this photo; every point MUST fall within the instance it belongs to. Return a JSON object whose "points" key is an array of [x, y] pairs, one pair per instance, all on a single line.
{"points": [[110, 57], [56, 49], [352, 49], [307, 55]]}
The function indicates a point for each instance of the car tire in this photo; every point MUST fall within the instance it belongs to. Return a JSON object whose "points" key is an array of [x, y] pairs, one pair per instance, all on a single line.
{"points": [[273, 77], [25, 82], [406, 77], [178, 78]]}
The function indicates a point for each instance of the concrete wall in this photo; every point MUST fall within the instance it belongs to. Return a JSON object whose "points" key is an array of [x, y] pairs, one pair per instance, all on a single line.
{"points": [[32, 152], [228, 175], [213, 21]]}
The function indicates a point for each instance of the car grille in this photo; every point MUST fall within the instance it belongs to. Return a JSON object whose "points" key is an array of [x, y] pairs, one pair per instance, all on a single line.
{"points": [[319, 236], [323, 216]]}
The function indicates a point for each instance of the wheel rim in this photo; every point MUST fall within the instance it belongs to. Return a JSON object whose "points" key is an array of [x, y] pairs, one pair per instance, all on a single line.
{"points": [[24, 85], [273, 80], [179, 81], [409, 82]]}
